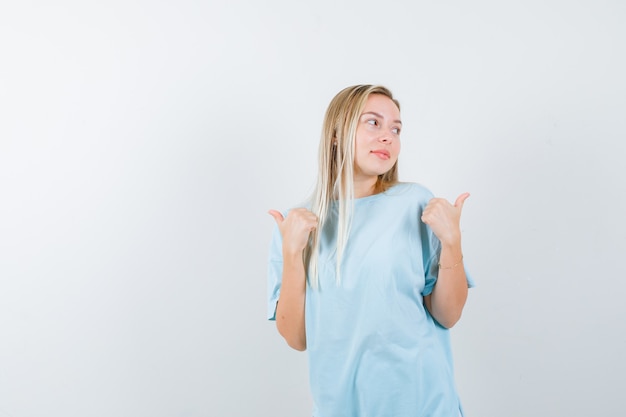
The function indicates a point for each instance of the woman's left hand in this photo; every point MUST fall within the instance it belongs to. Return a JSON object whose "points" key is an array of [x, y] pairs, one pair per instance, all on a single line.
{"points": [[444, 218]]}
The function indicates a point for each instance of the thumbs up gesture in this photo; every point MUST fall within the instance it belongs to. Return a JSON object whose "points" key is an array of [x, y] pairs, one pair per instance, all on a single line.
{"points": [[295, 228], [444, 218]]}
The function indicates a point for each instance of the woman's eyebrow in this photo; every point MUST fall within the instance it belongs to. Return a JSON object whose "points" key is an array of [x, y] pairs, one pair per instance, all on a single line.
{"points": [[379, 116]]}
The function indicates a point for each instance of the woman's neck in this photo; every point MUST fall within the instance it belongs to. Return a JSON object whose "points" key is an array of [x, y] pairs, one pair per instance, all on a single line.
{"points": [[364, 187]]}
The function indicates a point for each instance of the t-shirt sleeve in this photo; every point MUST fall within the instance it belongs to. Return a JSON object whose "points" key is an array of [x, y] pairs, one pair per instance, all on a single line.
{"points": [[431, 251], [274, 273]]}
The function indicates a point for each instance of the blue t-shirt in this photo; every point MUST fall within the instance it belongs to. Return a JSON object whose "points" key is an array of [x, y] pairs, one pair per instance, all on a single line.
{"points": [[374, 349]]}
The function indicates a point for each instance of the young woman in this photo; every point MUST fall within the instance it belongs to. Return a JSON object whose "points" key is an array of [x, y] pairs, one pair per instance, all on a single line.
{"points": [[369, 276]]}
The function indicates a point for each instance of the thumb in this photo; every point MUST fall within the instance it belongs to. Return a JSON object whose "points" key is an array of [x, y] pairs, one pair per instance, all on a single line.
{"points": [[460, 200], [277, 216]]}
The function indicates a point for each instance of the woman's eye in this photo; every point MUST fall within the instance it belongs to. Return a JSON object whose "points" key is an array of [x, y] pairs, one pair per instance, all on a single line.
{"points": [[396, 130], [373, 122]]}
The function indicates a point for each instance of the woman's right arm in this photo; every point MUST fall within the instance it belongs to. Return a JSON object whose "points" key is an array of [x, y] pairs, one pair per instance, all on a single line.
{"points": [[290, 307], [295, 230]]}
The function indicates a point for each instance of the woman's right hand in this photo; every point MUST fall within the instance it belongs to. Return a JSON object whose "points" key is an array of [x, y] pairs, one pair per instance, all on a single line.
{"points": [[295, 228]]}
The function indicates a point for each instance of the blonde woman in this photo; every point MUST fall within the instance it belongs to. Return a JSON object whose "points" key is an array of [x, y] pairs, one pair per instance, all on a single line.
{"points": [[369, 276]]}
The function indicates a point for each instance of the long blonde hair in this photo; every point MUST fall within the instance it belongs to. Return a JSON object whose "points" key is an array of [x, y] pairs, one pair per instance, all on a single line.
{"points": [[335, 180]]}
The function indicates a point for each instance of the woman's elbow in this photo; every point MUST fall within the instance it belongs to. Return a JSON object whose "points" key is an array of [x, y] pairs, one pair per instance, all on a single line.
{"points": [[299, 345], [294, 341], [449, 320]]}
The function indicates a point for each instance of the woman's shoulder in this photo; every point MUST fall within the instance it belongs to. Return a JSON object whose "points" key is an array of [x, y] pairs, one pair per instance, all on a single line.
{"points": [[412, 190]]}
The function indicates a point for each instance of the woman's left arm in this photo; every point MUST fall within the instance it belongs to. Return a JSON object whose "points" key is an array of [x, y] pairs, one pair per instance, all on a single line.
{"points": [[449, 294]]}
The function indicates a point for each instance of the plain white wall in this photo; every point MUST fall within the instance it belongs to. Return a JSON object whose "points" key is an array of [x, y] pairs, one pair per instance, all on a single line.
{"points": [[142, 143]]}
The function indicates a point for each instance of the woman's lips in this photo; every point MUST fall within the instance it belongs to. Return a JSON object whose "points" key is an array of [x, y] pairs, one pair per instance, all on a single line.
{"points": [[382, 154]]}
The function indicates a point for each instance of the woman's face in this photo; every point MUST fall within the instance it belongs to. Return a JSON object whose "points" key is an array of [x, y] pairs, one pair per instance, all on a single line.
{"points": [[377, 142]]}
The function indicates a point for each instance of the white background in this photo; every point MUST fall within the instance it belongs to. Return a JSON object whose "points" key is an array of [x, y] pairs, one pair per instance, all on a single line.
{"points": [[142, 143]]}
